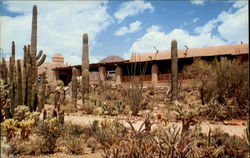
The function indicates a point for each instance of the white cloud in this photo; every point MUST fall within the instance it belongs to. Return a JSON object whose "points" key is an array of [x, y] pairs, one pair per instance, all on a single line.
{"points": [[234, 26], [231, 26], [132, 8], [240, 3], [60, 26], [195, 20], [133, 27], [197, 2], [162, 41], [208, 27]]}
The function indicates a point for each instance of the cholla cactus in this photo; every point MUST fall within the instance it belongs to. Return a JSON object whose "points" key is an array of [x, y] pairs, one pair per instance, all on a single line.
{"points": [[10, 126], [21, 112], [188, 117], [26, 127]]}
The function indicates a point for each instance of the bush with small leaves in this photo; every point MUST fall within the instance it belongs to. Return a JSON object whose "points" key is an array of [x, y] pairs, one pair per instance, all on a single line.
{"points": [[222, 86]]}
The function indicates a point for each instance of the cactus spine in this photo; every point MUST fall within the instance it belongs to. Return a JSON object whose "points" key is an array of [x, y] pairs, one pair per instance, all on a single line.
{"points": [[85, 69], [174, 70], [74, 86]]}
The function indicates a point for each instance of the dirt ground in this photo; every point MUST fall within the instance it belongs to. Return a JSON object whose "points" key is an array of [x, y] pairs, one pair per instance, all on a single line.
{"points": [[234, 127]]}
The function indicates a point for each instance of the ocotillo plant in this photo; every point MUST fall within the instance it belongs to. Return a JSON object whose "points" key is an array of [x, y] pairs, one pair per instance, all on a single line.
{"points": [[85, 68], [174, 70], [74, 86]]}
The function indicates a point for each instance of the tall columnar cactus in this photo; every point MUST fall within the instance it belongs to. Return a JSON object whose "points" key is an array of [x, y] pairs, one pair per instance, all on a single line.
{"points": [[20, 83], [85, 69], [30, 82], [85, 52], [12, 80], [34, 30], [174, 70], [74, 86], [42, 92], [85, 85], [4, 70]]}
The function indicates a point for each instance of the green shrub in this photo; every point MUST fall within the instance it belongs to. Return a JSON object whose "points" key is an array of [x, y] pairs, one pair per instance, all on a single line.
{"points": [[222, 86]]}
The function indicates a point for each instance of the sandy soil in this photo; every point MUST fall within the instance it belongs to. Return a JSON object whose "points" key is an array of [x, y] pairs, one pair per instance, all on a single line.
{"points": [[86, 119], [231, 129]]}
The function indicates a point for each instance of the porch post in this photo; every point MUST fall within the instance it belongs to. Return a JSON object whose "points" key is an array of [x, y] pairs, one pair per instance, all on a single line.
{"points": [[102, 73], [154, 73], [118, 74]]}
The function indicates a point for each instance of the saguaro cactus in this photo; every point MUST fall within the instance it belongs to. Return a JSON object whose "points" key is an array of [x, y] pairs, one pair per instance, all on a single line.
{"points": [[74, 86], [85, 68], [34, 30], [174, 70], [85, 85], [85, 52]]}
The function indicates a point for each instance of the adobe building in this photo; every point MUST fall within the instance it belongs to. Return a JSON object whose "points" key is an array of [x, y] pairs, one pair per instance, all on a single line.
{"points": [[57, 61], [157, 64]]}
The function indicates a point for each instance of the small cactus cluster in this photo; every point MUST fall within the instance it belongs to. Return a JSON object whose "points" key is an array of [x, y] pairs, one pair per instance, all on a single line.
{"points": [[85, 70], [21, 124]]}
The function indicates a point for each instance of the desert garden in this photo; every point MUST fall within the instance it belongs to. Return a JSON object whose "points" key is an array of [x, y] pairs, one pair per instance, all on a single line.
{"points": [[204, 114]]}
